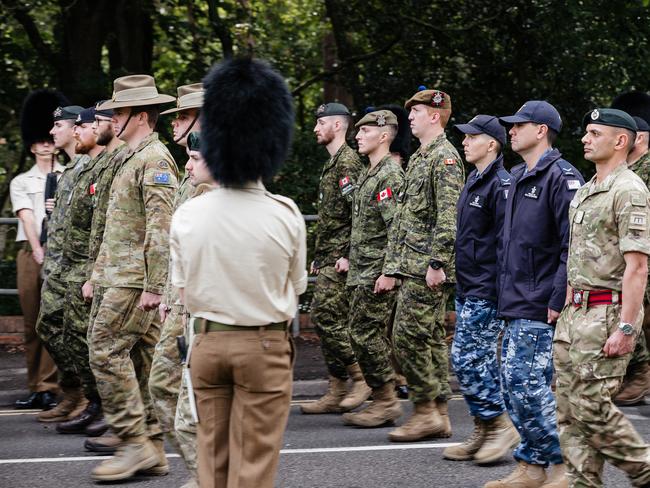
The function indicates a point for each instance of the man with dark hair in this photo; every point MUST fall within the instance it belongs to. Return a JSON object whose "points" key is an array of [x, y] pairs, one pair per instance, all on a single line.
{"points": [[238, 258], [132, 269]]}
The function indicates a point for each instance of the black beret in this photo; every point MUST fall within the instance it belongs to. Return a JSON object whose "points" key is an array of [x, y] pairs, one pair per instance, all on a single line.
{"points": [[333, 108], [67, 113]]}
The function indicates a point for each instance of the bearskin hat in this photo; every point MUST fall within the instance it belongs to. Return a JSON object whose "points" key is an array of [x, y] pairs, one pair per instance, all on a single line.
{"points": [[402, 142], [635, 103], [246, 121], [36, 116]]}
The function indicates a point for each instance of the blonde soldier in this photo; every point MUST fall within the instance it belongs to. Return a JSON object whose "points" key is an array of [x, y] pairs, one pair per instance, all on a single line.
{"points": [[607, 269], [132, 269]]}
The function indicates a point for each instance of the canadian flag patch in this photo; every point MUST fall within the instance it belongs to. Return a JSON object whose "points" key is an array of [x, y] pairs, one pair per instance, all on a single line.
{"points": [[344, 181], [385, 194], [450, 161], [92, 188]]}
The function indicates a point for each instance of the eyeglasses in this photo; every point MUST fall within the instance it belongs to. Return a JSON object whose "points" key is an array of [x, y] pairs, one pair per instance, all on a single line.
{"points": [[97, 121]]}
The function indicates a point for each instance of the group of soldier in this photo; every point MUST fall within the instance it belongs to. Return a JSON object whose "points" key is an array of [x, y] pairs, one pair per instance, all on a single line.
{"points": [[534, 255]]}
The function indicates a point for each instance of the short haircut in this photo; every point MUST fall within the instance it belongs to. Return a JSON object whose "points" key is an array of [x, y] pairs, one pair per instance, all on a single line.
{"points": [[152, 111], [391, 130], [631, 139], [551, 136], [445, 114]]}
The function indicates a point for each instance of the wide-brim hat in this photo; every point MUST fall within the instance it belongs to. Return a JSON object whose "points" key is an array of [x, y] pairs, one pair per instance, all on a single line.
{"points": [[189, 96], [135, 91]]}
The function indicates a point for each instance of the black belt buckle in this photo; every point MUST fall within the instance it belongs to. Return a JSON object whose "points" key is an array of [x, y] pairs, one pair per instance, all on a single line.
{"points": [[577, 297]]}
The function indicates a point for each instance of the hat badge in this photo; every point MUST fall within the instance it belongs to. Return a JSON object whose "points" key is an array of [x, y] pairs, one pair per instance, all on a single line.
{"points": [[321, 109], [381, 120], [78, 118], [58, 112], [595, 114], [437, 98]]}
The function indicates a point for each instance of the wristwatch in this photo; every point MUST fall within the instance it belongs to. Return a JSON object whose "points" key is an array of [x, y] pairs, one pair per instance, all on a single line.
{"points": [[626, 328], [435, 264]]}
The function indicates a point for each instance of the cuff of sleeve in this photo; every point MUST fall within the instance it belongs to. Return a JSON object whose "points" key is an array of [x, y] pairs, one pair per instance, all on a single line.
{"points": [[300, 286], [156, 290], [557, 300], [632, 244]]}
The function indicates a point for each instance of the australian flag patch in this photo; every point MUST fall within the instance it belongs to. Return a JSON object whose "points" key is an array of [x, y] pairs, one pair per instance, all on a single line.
{"points": [[161, 178]]}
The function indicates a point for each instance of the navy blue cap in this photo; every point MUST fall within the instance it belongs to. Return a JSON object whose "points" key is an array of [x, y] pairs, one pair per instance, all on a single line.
{"points": [[537, 111], [86, 116], [641, 124], [484, 124], [107, 112]]}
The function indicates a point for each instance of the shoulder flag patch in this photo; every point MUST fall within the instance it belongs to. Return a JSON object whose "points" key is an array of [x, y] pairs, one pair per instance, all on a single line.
{"points": [[344, 181], [385, 194], [92, 189], [450, 161], [161, 178], [573, 184]]}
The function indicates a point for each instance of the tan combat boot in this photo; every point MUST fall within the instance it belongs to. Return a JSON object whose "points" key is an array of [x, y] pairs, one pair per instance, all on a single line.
{"points": [[359, 392], [635, 386], [135, 454], [328, 403], [162, 468], [524, 476], [500, 437], [384, 408], [557, 477], [466, 450], [72, 404], [424, 423], [441, 405]]}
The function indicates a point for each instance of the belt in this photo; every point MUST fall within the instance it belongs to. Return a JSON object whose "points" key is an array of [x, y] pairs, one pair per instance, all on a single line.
{"points": [[203, 325], [26, 246], [591, 298]]}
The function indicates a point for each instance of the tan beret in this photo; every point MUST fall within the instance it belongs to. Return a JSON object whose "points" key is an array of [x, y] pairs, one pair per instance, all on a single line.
{"points": [[432, 98], [379, 118]]}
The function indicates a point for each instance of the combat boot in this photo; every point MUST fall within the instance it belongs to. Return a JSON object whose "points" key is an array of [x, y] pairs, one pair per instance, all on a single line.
{"points": [[359, 392], [466, 450], [135, 454], [424, 423], [78, 424], [328, 403], [384, 408], [191, 483], [500, 437], [557, 477], [524, 476], [635, 386], [162, 468], [104, 444], [97, 428], [72, 404], [441, 405]]}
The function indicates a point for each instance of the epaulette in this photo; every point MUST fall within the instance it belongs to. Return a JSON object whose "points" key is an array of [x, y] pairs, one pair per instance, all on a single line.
{"points": [[286, 201], [504, 177], [565, 166]]}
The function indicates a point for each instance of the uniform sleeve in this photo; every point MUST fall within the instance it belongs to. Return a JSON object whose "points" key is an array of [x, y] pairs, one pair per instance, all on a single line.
{"points": [[298, 265], [19, 195], [159, 187], [387, 197], [350, 168], [448, 180], [560, 200], [633, 217], [177, 273]]}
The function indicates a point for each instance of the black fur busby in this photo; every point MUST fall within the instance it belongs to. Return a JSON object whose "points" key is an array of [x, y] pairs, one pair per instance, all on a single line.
{"points": [[635, 103], [246, 121], [402, 142], [36, 119]]}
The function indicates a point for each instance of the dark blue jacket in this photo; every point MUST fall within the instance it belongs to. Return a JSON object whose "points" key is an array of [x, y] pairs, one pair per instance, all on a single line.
{"points": [[479, 224], [536, 238]]}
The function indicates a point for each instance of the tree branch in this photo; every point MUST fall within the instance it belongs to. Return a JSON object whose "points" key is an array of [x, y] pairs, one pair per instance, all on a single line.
{"points": [[220, 29], [466, 27], [21, 14]]}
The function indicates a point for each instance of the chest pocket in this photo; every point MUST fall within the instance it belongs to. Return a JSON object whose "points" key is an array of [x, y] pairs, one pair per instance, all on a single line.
{"points": [[416, 198]]}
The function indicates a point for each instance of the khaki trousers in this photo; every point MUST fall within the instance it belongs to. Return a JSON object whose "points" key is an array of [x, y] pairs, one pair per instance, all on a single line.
{"points": [[41, 370], [242, 382]]}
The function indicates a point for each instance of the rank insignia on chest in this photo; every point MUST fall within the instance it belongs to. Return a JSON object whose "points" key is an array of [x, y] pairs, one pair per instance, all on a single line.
{"points": [[92, 189], [476, 201], [533, 192], [450, 161], [346, 185], [161, 178], [385, 194]]}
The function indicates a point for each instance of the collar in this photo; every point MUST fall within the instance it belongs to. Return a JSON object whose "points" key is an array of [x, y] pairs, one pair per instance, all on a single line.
{"points": [[607, 183], [493, 166]]}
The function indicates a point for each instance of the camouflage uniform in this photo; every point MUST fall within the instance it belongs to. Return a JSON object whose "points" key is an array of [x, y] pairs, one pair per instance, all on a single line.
{"points": [[425, 230], [330, 306], [133, 258], [373, 209], [607, 219], [56, 291]]}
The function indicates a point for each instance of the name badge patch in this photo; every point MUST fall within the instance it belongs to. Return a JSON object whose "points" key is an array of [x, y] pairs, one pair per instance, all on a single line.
{"points": [[476, 201], [638, 221], [161, 178], [533, 192], [573, 184]]}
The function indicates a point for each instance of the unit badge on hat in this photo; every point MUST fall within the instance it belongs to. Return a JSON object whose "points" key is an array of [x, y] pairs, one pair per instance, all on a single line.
{"points": [[595, 114], [78, 118], [321, 109], [58, 112], [437, 98], [381, 120]]}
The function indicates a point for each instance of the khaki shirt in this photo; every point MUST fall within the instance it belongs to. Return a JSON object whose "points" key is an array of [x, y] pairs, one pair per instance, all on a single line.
{"points": [[240, 255], [27, 191]]}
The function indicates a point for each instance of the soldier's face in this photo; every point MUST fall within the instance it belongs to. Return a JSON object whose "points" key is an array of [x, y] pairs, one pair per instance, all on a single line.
{"points": [[85, 138], [324, 130], [120, 118], [63, 133], [42, 149], [476, 147], [198, 170], [103, 129], [369, 138], [598, 142], [182, 122], [421, 120], [524, 136]]}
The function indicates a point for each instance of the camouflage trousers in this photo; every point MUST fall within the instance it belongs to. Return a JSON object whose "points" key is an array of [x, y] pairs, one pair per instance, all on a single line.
{"points": [[329, 313], [641, 353], [185, 427], [526, 375], [592, 429], [165, 379], [419, 339], [122, 339], [62, 325], [369, 316], [474, 356]]}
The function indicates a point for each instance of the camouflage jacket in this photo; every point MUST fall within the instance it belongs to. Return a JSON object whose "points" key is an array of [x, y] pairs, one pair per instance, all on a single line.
{"points": [[425, 224], [107, 168], [334, 210], [135, 249], [607, 220], [373, 208], [642, 168], [56, 229]]}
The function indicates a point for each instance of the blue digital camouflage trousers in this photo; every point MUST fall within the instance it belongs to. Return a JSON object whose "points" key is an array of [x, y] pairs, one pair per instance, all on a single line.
{"points": [[526, 374], [474, 356]]}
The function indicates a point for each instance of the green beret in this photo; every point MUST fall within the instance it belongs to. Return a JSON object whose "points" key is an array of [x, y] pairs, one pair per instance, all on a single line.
{"points": [[432, 98], [379, 118], [67, 113], [611, 117], [194, 141], [333, 108]]}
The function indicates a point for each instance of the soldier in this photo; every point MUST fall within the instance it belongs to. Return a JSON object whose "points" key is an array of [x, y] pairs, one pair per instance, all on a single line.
{"points": [[420, 252], [595, 336], [330, 307], [27, 192], [241, 359], [373, 294], [532, 285], [480, 210], [637, 377], [132, 269], [167, 368]]}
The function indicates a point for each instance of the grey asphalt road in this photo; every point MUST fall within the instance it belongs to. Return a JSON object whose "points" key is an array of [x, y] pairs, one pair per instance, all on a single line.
{"points": [[318, 452]]}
